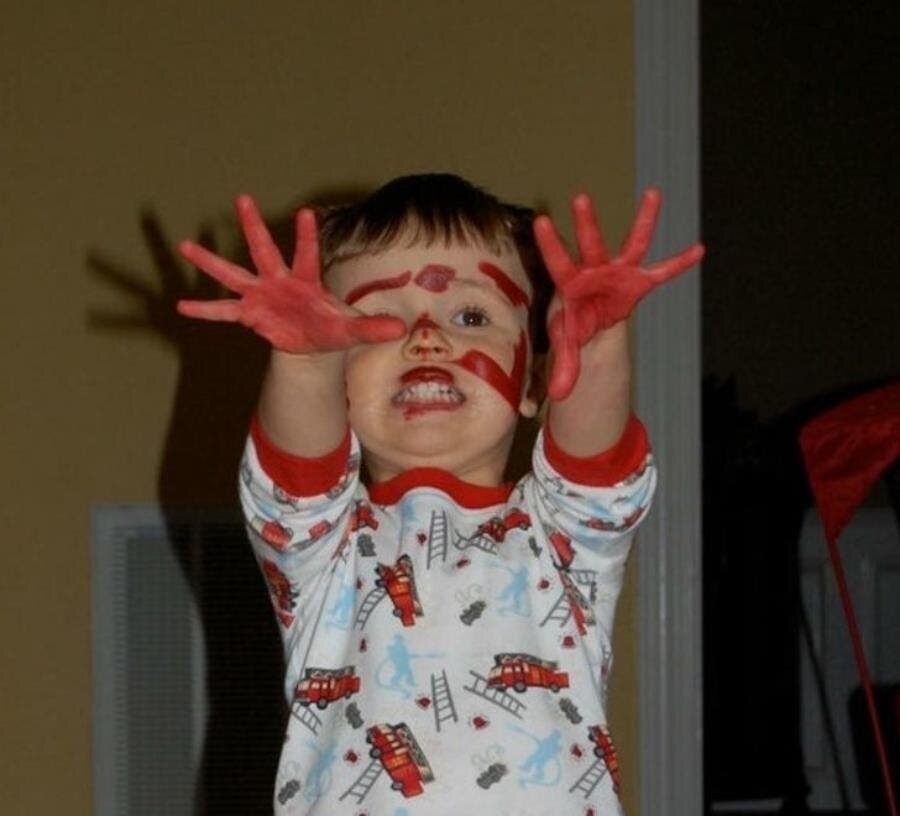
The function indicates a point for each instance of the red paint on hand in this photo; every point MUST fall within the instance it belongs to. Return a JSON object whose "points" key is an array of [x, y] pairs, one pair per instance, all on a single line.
{"points": [[286, 306], [597, 291]]}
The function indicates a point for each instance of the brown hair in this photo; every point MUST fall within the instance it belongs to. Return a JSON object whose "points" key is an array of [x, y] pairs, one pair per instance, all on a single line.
{"points": [[438, 207]]}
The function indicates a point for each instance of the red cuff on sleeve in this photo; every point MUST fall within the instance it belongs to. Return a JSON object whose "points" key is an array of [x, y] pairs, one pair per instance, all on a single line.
{"points": [[299, 475], [603, 469]]}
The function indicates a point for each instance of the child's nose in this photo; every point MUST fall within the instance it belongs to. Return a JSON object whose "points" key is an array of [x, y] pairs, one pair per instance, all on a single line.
{"points": [[426, 341]]}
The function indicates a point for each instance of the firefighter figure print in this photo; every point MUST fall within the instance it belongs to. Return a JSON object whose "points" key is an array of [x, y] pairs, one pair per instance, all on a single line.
{"points": [[446, 644]]}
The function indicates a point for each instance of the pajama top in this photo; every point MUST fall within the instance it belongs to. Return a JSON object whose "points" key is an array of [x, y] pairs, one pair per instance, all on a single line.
{"points": [[447, 645]]}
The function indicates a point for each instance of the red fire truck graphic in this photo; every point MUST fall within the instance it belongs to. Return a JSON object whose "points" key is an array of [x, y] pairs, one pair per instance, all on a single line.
{"points": [[400, 584], [582, 613], [496, 527], [562, 544], [521, 671], [362, 517], [280, 590], [275, 534], [324, 686], [605, 750], [401, 757]]}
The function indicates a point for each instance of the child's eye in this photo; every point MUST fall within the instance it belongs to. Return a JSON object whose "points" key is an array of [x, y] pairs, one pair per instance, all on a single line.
{"points": [[473, 316]]}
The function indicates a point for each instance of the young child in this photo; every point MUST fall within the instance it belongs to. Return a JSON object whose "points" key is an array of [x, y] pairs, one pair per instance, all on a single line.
{"points": [[447, 636]]}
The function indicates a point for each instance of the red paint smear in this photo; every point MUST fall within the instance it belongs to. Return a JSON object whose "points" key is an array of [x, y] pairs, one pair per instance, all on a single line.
{"points": [[427, 374], [423, 323], [435, 277], [508, 385], [376, 286], [505, 284]]}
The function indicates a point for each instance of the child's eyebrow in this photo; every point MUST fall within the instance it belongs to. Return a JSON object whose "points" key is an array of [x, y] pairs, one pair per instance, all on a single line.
{"points": [[376, 286]]}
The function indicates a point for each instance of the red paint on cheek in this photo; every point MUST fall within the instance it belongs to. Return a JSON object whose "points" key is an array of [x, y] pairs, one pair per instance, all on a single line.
{"points": [[376, 286], [505, 284], [435, 277], [509, 386]]}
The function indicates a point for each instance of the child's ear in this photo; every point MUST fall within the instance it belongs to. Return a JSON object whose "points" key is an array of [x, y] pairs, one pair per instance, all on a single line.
{"points": [[537, 387]]}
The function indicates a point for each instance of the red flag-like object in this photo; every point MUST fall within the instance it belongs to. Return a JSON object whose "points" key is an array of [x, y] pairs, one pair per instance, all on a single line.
{"points": [[847, 449]]}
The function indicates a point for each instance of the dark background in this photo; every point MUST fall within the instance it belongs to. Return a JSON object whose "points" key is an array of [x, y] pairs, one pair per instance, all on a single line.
{"points": [[801, 308]]}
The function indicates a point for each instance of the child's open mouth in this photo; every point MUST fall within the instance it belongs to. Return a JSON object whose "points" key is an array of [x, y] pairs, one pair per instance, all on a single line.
{"points": [[428, 387]]}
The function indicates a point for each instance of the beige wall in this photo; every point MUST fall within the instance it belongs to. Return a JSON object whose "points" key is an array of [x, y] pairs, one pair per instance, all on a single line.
{"points": [[168, 109]]}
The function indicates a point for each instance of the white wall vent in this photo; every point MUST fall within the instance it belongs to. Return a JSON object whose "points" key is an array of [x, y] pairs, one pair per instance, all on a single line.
{"points": [[166, 668]]}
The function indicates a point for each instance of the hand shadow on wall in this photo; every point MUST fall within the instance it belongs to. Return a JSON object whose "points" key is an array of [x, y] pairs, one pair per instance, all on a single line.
{"points": [[220, 369]]}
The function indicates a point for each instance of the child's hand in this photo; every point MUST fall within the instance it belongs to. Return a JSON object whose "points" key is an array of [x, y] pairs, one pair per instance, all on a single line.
{"points": [[597, 292], [286, 306]]}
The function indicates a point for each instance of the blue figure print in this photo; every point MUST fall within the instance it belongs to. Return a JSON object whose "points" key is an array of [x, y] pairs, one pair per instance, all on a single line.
{"points": [[340, 616], [319, 780], [515, 594], [546, 752], [400, 658], [401, 812]]}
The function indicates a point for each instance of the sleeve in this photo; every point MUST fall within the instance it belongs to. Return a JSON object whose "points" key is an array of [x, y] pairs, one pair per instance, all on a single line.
{"points": [[589, 509], [297, 512]]}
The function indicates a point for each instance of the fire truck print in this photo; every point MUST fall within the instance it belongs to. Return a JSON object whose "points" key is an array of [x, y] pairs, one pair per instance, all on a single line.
{"points": [[323, 686], [274, 533], [400, 584], [281, 592], [395, 750], [362, 517], [523, 671], [605, 750], [492, 532], [562, 546]]}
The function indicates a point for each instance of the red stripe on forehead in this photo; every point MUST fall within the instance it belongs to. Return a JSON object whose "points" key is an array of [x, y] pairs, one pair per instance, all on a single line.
{"points": [[505, 284], [376, 286]]}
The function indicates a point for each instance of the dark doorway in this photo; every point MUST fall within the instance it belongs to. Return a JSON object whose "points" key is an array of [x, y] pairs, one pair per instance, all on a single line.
{"points": [[801, 306]]}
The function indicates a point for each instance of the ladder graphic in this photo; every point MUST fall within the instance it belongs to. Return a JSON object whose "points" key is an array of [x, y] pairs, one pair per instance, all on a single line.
{"points": [[437, 537], [495, 695], [307, 716], [361, 787], [478, 540], [560, 612], [369, 603], [585, 577], [444, 709], [590, 778]]}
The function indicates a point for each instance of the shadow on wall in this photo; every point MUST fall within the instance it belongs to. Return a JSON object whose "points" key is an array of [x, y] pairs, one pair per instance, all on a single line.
{"points": [[220, 369]]}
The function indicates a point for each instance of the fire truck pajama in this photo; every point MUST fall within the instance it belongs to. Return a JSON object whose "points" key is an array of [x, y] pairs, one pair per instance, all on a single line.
{"points": [[447, 645]]}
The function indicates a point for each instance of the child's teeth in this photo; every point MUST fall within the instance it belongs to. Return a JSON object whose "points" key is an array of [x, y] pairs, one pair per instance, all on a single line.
{"points": [[429, 392]]}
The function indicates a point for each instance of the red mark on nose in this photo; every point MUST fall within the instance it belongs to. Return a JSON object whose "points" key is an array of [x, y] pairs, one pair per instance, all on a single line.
{"points": [[505, 284], [509, 386], [376, 286], [423, 324], [435, 277]]}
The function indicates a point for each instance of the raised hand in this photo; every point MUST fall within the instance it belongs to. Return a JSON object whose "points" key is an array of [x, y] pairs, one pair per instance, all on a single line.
{"points": [[286, 306], [597, 291]]}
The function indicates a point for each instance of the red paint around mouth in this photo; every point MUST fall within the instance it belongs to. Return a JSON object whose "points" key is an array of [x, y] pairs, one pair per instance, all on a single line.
{"points": [[426, 374], [435, 277]]}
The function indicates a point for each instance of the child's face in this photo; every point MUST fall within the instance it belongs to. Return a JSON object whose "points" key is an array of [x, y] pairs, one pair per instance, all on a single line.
{"points": [[449, 393]]}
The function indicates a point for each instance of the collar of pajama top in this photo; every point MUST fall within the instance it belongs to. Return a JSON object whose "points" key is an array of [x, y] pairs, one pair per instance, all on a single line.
{"points": [[465, 494]]}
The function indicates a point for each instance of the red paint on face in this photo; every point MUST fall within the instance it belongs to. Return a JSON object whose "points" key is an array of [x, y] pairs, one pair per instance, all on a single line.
{"points": [[435, 277], [423, 323], [505, 284], [509, 386], [376, 286]]}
